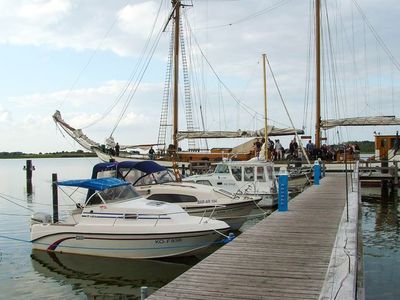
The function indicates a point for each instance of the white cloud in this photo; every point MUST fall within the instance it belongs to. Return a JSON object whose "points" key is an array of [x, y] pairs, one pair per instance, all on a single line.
{"points": [[5, 115], [232, 50], [44, 12]]}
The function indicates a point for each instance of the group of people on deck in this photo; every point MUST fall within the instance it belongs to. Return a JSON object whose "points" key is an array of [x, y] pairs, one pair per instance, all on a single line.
{"points": [[275, 149], [277, 152]]}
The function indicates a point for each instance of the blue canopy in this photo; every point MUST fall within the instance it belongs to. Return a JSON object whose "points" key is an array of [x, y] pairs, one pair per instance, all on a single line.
{"points": [[105, 166], [146, 166], [94, 184]]}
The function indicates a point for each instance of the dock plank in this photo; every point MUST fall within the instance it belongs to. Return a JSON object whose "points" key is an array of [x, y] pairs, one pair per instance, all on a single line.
{"points": [[285, 256]]}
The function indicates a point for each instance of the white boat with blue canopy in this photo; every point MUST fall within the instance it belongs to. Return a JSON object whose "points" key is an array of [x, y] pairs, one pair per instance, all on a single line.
{"points": [[156, 182], [115, 221]]}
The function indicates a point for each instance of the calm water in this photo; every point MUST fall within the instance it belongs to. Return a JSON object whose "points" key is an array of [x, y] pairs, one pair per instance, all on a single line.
{"points": [[381, 239], [38, 275]]}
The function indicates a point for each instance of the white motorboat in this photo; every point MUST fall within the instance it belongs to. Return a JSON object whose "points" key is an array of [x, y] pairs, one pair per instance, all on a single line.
{"points": [[156, 182], [116, 222], [251, 178]]}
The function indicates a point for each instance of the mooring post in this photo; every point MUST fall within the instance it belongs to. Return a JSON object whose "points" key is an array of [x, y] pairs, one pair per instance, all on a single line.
{"points": [[55, 197], [29, 168], [317, 172], [143, 292], [283, 191]]}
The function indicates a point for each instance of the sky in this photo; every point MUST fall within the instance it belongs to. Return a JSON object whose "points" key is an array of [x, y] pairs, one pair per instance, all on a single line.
{"points": [[76, 56]]}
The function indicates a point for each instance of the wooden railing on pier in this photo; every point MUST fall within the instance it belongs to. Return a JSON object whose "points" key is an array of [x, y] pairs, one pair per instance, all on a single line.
{"points": [[285, 256]]}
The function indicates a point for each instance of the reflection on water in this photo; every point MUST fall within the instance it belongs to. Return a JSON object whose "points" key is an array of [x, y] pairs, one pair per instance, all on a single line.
{"points": [[108, 277], [381, 228]]}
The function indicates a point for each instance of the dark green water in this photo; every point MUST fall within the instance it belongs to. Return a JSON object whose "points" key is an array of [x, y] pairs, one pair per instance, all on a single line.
{"points": [[381, 241]]}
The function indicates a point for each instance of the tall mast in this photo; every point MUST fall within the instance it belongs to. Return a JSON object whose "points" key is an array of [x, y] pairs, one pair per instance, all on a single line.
{"points": [[177, 5], [318, 73], [265, 109]]}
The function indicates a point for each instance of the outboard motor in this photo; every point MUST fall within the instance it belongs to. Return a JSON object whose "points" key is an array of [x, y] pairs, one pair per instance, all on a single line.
{"points": [[41, 218]]}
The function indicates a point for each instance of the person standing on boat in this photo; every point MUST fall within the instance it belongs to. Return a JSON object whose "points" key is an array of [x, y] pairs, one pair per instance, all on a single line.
{"points": [[152, 153], [279, 150], [270, 149], [257, 145], [310, 149], [117, 149]]}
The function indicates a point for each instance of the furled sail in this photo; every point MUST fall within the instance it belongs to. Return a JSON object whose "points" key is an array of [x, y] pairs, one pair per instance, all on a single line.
{"points": [[360, 121], [87, 143], [272, 131], [76, 134]]}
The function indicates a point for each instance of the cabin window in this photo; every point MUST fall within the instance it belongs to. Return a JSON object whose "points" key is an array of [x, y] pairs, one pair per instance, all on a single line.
{"points": [[237, 173], [249, 174], [222, 169], [394, 143], [173, 198], [260, 174], [204, 182], [383, 143], [270, 173], [117, 194], [94, 200]]}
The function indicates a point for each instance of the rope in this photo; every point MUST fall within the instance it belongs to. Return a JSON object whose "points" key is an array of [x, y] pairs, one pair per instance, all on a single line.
{"points": [[27, 208], [287, 112]]}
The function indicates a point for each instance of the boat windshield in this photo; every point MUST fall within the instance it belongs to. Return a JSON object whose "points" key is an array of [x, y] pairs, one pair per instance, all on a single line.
{"points": [[156, 178], [221, 169], [116, 194]]}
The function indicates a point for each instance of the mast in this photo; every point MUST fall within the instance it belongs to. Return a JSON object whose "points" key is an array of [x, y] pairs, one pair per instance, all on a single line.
{"points": [[177, 5], [318, 74], [265, 109]]}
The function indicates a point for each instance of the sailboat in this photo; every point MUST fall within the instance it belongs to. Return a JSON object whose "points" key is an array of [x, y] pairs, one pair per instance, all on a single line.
{"points": [[173, 152], [332, 123]]}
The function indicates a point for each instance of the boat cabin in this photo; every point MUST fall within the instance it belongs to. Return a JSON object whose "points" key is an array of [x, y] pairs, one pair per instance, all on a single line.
{"points": [[386, 147]]}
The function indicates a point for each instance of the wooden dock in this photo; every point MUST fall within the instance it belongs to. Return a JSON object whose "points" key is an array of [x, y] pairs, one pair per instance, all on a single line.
{"points": [[285, 256]]}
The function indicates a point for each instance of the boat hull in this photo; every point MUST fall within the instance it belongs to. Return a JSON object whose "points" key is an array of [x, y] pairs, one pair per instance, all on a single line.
{"points": [[234, 214], [133, 246]]}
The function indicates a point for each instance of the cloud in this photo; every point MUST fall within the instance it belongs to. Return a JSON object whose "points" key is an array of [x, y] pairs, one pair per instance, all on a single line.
{"points": [[5, 116]]}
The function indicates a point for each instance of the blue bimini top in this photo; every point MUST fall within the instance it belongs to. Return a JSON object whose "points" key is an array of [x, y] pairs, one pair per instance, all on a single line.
{"points": [[99, 184], [146, 166]]}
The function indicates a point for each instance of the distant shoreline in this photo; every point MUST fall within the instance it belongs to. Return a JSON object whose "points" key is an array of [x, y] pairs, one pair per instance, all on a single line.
{"points": [[63, 154]]}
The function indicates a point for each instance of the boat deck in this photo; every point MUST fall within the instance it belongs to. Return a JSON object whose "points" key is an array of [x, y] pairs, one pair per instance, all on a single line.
{"points": [[285, 256]]}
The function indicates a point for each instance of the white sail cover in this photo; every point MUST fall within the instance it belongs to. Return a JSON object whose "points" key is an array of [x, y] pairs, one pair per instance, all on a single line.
{"points": [[87, 143], [76, 134], [360, 121], [272, 131]]}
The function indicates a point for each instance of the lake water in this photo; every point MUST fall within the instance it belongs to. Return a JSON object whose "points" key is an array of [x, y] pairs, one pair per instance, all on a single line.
{"points": [[39, 275]]}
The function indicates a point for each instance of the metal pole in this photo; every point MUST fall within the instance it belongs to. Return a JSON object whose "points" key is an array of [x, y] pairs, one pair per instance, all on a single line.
{"points": [[177, 5], [143, 292], [347, 188], [55, 197], [318, 73], [265, 109]]}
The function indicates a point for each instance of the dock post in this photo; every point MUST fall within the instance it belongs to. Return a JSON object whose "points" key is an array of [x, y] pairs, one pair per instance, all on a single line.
{"points": [[55, 197], [29, 168], [143, 292], [283, 193], [183, 170], [317, 172]]}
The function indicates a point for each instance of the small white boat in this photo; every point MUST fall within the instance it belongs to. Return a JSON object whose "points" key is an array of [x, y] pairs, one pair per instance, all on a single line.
{"points": [[251, 178], [156, 182], [116, 222]]}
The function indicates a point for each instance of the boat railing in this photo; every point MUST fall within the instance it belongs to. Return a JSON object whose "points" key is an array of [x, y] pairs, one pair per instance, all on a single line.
{"points": [[212, 212]]}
